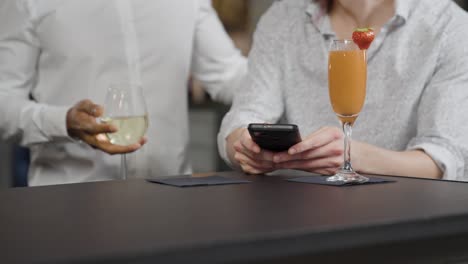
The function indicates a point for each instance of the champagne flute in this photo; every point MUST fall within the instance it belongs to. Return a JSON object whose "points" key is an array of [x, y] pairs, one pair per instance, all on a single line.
{"points": [[347, 74], [125, 108]]}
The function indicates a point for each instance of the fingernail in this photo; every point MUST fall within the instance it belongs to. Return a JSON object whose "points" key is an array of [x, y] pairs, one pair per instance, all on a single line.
{"points": [[257, 149], [101, 137], [292, 151]]}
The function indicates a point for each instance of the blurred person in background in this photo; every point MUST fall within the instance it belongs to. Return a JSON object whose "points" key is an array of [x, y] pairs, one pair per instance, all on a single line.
{"points": [[57, 59], [414, 118]]}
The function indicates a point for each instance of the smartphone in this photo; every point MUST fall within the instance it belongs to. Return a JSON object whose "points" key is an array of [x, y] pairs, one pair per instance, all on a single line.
{"points": [[275, 137]]}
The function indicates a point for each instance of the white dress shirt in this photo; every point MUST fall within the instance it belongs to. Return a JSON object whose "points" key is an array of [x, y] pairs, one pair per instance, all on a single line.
{"points": [[54, 53]]}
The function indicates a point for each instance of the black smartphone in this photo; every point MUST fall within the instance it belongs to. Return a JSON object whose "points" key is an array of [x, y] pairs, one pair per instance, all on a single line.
{"points": [[275, 137]]}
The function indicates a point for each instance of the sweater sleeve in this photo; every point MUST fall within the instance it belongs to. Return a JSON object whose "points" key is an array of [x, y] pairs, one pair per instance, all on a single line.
{"points": [[442, 119]]}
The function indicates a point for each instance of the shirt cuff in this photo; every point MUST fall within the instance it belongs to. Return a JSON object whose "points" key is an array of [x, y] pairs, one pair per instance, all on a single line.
{"points": [[55, 122], [444, 159]]}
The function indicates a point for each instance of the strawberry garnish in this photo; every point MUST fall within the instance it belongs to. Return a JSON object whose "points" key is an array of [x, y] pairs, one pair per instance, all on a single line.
{"points": [[363, 37]]}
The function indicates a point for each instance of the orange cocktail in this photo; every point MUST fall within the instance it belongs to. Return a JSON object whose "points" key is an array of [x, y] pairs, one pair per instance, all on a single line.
{"points": [[347, 74]]}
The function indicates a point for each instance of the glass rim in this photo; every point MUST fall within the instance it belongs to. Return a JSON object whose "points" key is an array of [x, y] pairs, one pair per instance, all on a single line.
{"points": [[122, 86], [345, 41], [343, 44], [118, 84]]}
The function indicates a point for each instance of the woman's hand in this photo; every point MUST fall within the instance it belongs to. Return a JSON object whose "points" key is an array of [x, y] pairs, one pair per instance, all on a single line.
{"points": [[320, 152], [250, 157]]}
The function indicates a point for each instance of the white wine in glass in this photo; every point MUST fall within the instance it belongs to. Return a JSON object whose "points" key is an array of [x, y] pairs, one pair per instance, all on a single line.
{"points": [[130, 129], [125, 108]]}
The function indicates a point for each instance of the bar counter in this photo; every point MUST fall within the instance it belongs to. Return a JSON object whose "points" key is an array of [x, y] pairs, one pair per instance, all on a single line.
{"points": [[269, 220]]}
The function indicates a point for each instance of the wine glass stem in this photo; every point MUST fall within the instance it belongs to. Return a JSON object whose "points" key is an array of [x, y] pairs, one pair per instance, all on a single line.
{"points": [[123, 166], [347, 130]]}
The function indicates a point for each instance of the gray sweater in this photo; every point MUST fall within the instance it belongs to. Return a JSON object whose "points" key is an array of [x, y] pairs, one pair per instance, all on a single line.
{"points": [[417, 87]]}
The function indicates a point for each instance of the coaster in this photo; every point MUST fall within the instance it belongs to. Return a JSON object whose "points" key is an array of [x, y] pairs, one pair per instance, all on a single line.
{"points": [[323, 181], [198, 181]]}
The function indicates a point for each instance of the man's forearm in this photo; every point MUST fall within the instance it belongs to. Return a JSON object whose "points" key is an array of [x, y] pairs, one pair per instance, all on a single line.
{"points": [[370, 159]]}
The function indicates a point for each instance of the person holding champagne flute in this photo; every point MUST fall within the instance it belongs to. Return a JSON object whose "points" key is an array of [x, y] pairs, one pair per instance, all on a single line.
{"points": [[409, 111], [59, 59]]}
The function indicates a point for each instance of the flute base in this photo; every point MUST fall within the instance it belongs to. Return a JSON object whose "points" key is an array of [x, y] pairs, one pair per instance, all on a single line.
{"points": [[348, 176]]}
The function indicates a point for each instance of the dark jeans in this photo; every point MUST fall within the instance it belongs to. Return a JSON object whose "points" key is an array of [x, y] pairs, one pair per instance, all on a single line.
{"points": [[20, 166]]}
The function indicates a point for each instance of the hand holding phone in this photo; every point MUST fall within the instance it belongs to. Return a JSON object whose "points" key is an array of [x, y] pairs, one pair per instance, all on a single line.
{"points": [[274, 137]]}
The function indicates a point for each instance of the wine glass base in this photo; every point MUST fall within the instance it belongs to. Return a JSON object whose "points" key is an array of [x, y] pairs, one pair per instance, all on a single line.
{"points": [[347, 177]]}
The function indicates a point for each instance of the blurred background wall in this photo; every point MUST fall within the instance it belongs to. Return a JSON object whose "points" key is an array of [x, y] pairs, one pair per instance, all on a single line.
{"points": [[463, 3]]}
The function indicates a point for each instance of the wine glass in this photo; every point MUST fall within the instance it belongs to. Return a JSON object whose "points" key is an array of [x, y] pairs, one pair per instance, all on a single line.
{"points": [[347, 74], [125, 108]]}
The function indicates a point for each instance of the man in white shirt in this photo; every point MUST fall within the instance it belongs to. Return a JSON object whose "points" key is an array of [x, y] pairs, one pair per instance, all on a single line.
{"points": [[54, 54]]}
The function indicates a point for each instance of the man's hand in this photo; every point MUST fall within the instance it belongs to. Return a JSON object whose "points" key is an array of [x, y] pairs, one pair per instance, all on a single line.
{"points": [[320, 152], [81, 124], [250, 157]]}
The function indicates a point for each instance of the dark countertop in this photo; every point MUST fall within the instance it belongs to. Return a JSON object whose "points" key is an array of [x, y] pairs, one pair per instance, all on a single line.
{"points": [[267, 220]]}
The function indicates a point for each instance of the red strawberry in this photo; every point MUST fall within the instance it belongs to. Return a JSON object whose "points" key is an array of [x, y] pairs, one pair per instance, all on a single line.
{"points": [[363, 37]]}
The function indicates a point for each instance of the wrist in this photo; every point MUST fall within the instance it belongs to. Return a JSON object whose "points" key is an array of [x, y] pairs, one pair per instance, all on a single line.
{"points": [[358, 157], [230, 141]]}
